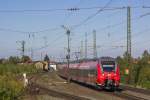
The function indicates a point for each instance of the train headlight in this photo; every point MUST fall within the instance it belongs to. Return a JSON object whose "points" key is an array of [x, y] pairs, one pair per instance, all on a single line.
{"points": [[103, 74], [109, 75]]}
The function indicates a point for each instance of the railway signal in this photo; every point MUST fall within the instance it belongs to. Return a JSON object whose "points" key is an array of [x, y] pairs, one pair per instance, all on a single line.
{"points": [[127, 71]]}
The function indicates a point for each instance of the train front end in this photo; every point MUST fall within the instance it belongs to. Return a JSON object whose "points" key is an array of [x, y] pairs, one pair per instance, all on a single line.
{"points": [[108, 73]]}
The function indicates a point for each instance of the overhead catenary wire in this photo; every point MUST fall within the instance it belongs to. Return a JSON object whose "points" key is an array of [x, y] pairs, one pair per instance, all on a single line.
{"points": [[146, 14], [100, 10], [115, 25], [50, 44], [28, 32], [56, 29], [70, 14], [93, 15], [120, 23], [12, 30], [118, 40], [105, 27], [122, 46], [63, 9], [133, 36], [69, 9]]}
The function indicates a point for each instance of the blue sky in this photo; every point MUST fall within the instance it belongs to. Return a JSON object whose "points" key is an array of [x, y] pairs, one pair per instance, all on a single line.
{"points": [[56, 38]]}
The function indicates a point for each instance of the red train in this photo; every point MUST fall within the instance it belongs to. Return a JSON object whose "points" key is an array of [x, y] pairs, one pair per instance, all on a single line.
{"points": [[103, 72]]}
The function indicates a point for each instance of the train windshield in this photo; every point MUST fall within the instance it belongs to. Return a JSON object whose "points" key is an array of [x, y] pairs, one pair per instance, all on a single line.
{"points": [[108, 66]]}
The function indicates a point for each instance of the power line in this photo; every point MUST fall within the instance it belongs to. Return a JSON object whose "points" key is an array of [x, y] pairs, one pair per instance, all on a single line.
{"points": [[117, 24], [51, 43], [66, 18], [146, 6], [93, 15], [12, 30], [104, 8], [146, 14], [29, 10], [134, 35], [58, 36], [106, 27], [114, 25], [27, 32], [64, 9]]}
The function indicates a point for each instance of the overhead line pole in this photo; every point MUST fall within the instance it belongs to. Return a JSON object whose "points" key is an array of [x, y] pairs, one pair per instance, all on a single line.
{"points": [[31, 37], [129, 42], [94, 45], [68, 56], [68, 50], [128, 33], [81, 50], [85, 45], [22, 47]]}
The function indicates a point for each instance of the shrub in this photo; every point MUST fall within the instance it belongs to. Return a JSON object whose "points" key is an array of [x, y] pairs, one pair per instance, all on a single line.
{"points": [[10, 87]]}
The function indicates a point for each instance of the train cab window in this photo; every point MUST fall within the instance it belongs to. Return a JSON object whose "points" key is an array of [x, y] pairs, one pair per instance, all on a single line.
{"points": [[108, 66]]}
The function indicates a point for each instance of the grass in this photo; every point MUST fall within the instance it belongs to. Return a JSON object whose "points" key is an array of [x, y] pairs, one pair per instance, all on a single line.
{"points": [[10, 87]]}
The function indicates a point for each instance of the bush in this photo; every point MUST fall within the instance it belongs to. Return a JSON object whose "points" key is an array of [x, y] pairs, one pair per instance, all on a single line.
{"points": [[10, 87], [139, 71]]}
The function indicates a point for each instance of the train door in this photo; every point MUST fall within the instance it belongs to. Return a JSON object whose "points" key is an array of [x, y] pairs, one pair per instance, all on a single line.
{"points": [[92, 73]]}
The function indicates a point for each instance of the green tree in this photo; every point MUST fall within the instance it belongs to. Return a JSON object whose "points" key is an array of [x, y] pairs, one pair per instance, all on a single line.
{"points": [[46, 58], [14, 59], [25, 59], [139, 69], [145, 56]]}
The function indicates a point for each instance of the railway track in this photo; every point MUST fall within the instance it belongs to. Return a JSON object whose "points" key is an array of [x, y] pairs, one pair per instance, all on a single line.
{"points": [[135, 93], [36, 89], [120, 93], [128, 96], [44, 90], [139, 90]]}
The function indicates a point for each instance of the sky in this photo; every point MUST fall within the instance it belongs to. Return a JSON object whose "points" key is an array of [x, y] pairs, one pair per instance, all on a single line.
{"points": [[41, 30]]}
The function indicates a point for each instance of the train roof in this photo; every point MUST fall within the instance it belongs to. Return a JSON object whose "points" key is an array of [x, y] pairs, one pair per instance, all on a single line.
{"points": [[107, 59], [86, 60]]}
